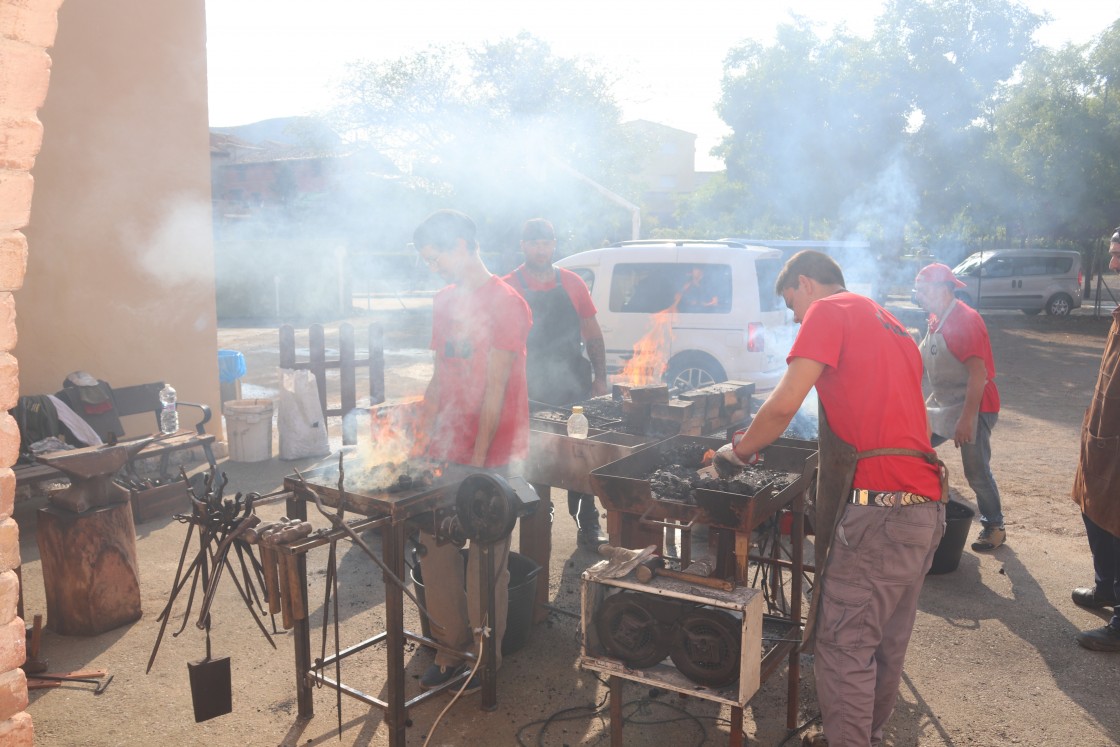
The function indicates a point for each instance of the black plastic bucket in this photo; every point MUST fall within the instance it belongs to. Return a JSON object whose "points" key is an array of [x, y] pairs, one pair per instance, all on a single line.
{"points": [[522, 594], [958, 523]]}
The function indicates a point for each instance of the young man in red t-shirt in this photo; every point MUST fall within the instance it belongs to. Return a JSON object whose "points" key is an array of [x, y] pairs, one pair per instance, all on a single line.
{"points": [[964, 402], [476, 413], [889, 519]]}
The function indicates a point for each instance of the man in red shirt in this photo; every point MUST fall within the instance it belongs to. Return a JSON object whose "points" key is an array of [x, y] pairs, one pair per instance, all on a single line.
{"points": [[563, 323], [476, 413], [878, 514], [964, 402]]}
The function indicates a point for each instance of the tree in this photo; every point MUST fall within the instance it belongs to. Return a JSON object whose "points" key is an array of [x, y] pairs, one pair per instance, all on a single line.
{"points": [[948, 59], [493, 132], [814, 122]]}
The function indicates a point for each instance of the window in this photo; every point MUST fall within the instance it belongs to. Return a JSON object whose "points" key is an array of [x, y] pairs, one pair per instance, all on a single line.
{"points": [[768, 270], [1000, 267], [646, 288], [587, 275]]}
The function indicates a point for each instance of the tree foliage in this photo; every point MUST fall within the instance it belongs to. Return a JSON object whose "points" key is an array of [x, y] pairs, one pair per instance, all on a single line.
{"points": [[947, 124], [497, 132]]}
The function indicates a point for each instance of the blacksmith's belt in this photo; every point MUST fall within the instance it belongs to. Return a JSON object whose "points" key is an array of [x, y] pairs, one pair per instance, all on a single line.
{"points": [[862, 497]]}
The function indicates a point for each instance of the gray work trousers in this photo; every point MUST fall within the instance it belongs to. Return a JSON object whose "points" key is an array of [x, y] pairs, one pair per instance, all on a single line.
{"points": [[876, 567], [460, 610]]}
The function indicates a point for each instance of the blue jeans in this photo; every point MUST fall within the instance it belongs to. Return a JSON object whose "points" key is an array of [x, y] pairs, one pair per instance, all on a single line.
{"points": [[1106, 564], [976, 458]]}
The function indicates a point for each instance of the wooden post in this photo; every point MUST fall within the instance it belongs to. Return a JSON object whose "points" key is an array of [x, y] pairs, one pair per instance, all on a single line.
{"points": [[90, 573]]}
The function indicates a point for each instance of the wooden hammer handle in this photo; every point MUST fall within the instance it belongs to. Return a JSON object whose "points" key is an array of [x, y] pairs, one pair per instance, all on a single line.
{"points": [[711, 583]]}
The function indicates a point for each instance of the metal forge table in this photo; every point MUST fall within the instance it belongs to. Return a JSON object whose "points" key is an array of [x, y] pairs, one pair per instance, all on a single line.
{"points": [[391, 512], [633, 512]]}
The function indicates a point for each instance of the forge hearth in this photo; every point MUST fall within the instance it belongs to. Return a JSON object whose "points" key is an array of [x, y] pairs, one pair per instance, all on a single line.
{"points": [[628, 486]]}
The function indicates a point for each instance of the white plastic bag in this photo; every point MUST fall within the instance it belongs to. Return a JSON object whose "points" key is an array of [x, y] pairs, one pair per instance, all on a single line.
{"points": [[303, 429]]}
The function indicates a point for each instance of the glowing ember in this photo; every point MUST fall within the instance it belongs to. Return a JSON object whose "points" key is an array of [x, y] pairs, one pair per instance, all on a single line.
{"points": [[651, 353]]}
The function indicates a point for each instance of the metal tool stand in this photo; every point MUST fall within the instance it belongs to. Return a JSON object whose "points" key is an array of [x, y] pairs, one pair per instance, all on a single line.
{"points": [[629, 504], [393, 534], [746, 603]]}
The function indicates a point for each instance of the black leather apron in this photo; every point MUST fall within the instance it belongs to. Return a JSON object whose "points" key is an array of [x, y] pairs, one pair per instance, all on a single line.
{"points": [[556, 370]]}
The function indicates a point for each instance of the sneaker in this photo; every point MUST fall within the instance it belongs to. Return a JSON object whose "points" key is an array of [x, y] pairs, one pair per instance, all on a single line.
{"points": [[1088, 598], [990, 538], [1101, 639], [435, 675]]}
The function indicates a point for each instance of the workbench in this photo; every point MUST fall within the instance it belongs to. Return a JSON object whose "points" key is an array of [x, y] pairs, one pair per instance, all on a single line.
{"points": [[391, 514]]}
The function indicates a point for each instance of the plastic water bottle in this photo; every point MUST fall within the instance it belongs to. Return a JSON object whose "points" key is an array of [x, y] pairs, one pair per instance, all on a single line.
{"points": [[577, 423], [168, 416]]}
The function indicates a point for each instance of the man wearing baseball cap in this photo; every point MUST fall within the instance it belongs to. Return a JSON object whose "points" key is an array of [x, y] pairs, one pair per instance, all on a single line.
{"points": [[964, 403]]}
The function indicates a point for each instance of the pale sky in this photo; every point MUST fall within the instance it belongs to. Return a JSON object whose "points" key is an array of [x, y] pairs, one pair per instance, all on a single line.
{"points": [[277, 58]]}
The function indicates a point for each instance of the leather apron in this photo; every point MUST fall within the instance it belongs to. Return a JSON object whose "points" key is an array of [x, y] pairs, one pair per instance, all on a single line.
{"points": [[1096, 487], [556, 371], [836, 470], [948, 378]]}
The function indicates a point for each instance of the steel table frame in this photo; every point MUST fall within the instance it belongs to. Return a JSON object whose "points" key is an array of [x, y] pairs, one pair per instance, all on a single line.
{"points": [[394, 530], [625, 530]]}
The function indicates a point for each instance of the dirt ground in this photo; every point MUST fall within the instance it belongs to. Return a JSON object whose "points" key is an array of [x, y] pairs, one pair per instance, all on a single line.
{"points": [[992, 660]]}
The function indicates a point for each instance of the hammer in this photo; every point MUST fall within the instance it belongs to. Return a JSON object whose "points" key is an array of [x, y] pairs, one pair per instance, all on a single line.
{"points": [[655, 566]]}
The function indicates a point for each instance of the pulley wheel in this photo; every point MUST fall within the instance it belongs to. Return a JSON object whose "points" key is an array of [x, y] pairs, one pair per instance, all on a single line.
{"points": [[706, 647], [486, 506], [628, 631]]}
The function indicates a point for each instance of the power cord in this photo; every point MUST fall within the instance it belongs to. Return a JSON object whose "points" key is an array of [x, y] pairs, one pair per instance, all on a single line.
{"points": [[482, 633], [635, 708]]}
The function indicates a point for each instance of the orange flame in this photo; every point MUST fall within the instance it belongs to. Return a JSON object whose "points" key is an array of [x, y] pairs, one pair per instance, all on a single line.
{"points": [[651, 353], [393, 436]]}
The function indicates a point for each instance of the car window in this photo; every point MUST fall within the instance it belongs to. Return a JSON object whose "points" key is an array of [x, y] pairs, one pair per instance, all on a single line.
{"points": [[587, 275], [999, 267], [768, 270], [1030, 266], [1058, 265], [649, 287]]}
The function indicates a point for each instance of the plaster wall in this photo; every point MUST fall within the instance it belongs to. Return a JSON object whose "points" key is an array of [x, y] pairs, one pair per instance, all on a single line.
{"points": [[120, 264]]}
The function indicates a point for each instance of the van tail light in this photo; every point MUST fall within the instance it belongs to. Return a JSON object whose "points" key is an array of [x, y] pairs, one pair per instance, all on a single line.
{"points": [[1080, 279], [756, 338]]}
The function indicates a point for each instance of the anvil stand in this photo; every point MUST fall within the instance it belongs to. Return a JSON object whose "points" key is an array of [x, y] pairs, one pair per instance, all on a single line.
{"points": [[87, 543]]}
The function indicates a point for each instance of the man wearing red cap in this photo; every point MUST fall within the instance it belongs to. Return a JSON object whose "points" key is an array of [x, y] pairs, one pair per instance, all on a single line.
{"points": [[1096, 488], [964, 403]]}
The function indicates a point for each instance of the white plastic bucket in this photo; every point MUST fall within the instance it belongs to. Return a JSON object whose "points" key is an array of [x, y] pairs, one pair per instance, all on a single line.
{"points": [[249, 429]]}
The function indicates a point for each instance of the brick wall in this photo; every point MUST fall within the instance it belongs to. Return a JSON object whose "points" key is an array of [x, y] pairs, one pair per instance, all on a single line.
{"points": [[27, 31]]}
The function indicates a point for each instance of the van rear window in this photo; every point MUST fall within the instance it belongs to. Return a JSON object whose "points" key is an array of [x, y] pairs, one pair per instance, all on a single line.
{"points": [[768, 270], [649, 287]]}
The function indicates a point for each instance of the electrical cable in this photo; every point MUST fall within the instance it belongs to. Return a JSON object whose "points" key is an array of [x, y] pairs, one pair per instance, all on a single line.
{"points": [[483, 633], [635, 706]]}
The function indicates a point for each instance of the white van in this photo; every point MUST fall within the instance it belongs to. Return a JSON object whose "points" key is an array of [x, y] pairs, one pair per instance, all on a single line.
{"points": [[1026, 279], [726, 320]]}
